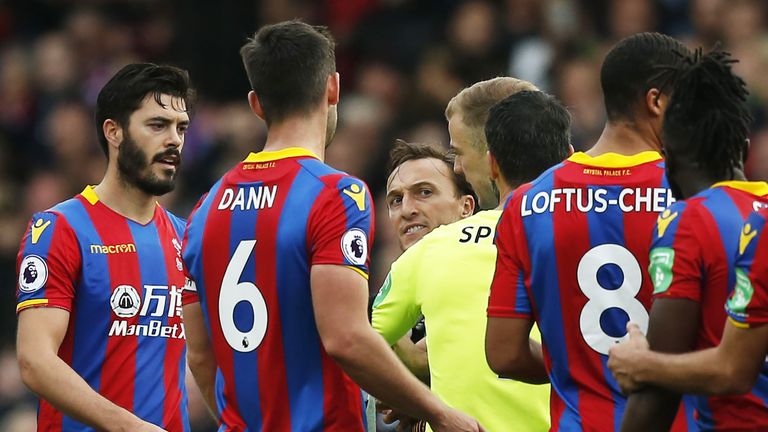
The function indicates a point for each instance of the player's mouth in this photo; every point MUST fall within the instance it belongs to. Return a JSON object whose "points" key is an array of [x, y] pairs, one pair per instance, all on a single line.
{"points": [[413, 229], [168, 161]]}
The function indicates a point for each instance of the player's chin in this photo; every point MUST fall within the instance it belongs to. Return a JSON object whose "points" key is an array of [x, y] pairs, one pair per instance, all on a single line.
{"points": [[408, 240]]}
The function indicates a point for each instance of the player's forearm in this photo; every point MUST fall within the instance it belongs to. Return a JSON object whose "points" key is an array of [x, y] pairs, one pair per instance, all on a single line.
{"points": [[372, 364], [702, 372], [649, 409], [413, 357], [525, 364], [53, 380], [203, 368]]}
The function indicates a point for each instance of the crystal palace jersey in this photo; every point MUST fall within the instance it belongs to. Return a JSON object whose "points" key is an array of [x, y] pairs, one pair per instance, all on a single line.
{"points": [[122, 282], [572, 247], [251, 244], [692, 257]]}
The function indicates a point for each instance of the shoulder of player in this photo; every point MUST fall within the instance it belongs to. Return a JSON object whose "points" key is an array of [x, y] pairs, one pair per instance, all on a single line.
{"points": [[64, 213], [179, 223]]}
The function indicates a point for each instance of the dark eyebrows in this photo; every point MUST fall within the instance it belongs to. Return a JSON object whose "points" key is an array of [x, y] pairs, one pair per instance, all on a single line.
{"points": [[166, 120]]}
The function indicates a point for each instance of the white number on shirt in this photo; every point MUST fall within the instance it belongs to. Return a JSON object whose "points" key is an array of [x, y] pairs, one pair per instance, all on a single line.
{"points": [[602, 298], [232, 293]]}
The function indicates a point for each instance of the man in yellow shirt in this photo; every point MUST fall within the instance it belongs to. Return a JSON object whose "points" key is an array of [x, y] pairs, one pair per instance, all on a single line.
{"points": [[446, 275]]}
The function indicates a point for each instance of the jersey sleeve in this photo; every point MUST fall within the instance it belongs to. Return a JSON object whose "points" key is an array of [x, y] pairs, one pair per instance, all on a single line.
{"points": [[190, 257], [748, 303], [509, 296], [340, 226], [676, 264], [395, 308], [48, 264]]}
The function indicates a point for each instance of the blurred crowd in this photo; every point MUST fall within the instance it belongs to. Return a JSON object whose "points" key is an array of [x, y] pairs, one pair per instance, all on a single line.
{"points": [[401, 61]]}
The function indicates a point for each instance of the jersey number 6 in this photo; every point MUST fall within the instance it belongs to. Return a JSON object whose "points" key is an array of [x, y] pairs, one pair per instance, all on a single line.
{"points": [[232, 292], [603, 298]]}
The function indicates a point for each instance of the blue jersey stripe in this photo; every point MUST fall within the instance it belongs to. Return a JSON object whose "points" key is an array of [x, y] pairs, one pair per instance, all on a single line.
{"points": [[548, 306], [193, 251], [303, 364], [245, 364], [221, 403], [91, 321], [182, 369], [147, 397]]}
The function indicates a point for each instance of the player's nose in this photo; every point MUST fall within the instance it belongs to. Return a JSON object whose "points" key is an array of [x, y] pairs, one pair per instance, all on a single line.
{"points": [[457, 167], [410, 206], [175, 138]]}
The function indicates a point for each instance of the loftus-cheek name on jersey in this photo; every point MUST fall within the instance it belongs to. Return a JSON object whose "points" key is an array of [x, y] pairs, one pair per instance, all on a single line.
{"points": [[248, 198], [159, 301], [596, 200]]}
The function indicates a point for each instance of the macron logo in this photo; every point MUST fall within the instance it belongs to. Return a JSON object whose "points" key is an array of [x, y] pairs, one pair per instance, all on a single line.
{"points": [[113, 249]]}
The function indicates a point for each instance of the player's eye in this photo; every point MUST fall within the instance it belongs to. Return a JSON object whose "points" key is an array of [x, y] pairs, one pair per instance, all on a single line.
{"points": [[425, 192], [395, 201], [157, 126], [182, 129]]}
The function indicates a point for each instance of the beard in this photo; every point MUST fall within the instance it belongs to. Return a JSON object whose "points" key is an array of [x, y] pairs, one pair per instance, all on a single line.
{"points": [[330, 128], [135, 168]]}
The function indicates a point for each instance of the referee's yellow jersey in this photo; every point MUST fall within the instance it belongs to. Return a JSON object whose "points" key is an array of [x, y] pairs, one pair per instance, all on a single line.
{"points": [[446, 277]]}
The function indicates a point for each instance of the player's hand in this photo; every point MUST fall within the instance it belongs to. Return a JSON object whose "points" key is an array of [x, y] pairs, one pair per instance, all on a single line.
{"points": [[625, 359], [391, 416], [456, 421]]}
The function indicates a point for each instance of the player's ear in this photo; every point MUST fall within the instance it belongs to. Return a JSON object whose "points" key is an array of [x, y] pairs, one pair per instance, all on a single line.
{"points": [[570, 150], [333, 88], [494, 166], [253, 102], [467, 206], [655, 102], [113, 132]]}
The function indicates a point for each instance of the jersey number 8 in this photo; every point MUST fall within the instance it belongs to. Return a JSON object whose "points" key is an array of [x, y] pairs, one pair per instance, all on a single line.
{"points": [[602, 298], [232, 292]]}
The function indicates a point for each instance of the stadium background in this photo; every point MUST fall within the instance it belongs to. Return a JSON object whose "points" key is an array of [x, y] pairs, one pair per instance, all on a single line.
{"points": [[400, 61]]}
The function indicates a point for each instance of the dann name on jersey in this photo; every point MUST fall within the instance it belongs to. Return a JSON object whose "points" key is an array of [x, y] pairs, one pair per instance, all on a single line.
{"points": [[248, 198], [596, 200]]}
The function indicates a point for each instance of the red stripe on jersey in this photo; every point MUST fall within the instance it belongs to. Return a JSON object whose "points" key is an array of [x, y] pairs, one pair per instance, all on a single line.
{"points": [[215, 263], [118, 371], [342, 403], [173, 351], [273, 380], [596, 406]]}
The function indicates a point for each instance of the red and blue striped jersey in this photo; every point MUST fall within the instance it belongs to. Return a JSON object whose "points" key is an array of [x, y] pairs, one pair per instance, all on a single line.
{"points": [[572, 246], [695, 244], [249, 248], [748, 304], [122, 283]]}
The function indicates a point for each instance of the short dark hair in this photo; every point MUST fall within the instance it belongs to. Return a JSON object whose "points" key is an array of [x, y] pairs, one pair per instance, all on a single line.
{"points": [[288, 65], [630, 69], [528, 133], [127, 89], [404, 151], [708, 117]]}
